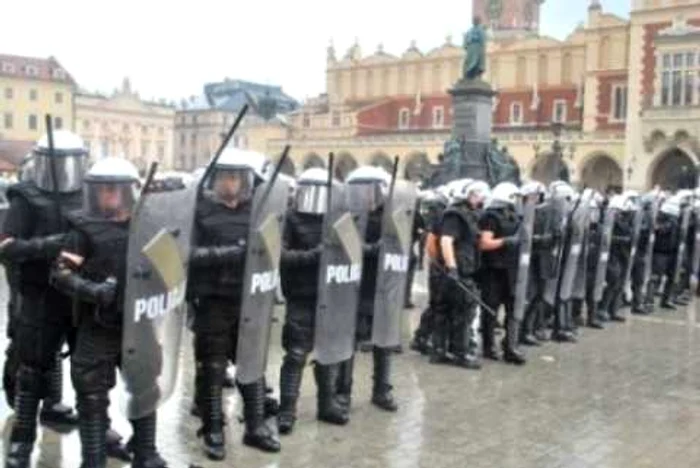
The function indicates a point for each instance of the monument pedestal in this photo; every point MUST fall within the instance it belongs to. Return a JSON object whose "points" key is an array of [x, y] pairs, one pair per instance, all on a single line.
{"points": [[472, 104]]}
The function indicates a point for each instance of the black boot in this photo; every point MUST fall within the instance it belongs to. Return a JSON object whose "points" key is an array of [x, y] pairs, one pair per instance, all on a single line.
{"points": [[328, 409], [463, 341], [614, 308], [290, 381], [257, 433], [438, 354], [53, 413], [561, 334], [211, 406], [488, 331], [198, 390], [29, 383], [93, 426], [114, 446], [576, 314], [527, 326], [343, 393], [381, 389], [421, 337], [511, 354], [144, 443]]}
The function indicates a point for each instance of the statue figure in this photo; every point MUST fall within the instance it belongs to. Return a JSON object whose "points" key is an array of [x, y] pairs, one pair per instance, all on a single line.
{"points": [[475, 47]]}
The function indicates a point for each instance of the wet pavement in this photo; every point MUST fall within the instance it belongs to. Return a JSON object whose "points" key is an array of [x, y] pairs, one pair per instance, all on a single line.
{"points": [[625, 397]]}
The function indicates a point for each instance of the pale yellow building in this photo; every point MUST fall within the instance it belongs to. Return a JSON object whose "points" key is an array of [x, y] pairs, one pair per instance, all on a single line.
{"points": [[626, 92], [30, 88], [127, 126]]}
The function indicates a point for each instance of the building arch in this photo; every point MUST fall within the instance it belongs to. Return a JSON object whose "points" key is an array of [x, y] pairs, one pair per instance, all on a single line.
{"points": [[673, 168], [344, 165], [417, 166], [601, 172], [548, 167], [381, 159], [313, 160]]}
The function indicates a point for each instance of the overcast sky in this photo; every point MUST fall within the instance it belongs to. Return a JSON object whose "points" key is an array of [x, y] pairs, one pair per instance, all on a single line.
{"points": [[170, 48]]}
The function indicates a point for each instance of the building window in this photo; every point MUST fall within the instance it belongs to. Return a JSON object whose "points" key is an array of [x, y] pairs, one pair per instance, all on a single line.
{"points": [[404, 119], [59, 98], [194, 120], [306, 121], [183, 139], [144, 129], [193, 139], [679, 79], [8, 120], [33, 94], [58, 123], [516, 113], [59, 74], [335, 119], [31, 70], [619, 103], [161, 131], [559, 111], [86, 125], [144, 148], [33, 122], [438, 117], [161, 151], [104, 150], [9, 93], [8, 67]]}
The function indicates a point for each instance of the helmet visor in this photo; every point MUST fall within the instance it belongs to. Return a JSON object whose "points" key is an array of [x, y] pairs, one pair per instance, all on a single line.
{"points": [[232, 185], [312, 198], [364, 197], [109, 200], [70, 169]]}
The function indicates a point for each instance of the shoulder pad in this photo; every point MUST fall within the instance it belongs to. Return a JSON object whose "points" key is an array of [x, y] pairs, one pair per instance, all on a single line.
{"points": [[24, 190]]}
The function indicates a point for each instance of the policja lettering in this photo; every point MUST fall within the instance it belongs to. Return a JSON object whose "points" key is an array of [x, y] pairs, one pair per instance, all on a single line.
{"points": [[397, 263], [263, 282], [159, 305], [343, 274]]}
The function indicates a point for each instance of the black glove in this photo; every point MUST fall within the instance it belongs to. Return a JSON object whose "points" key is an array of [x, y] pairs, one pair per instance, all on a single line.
{"points": [[302, 257], [74, 285], [452, 274], [37, 248], [371, 249], [218, 255], [511, 241]]}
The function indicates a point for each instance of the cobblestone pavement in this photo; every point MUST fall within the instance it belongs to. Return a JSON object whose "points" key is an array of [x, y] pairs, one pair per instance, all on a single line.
{"points": [[625, 397]]}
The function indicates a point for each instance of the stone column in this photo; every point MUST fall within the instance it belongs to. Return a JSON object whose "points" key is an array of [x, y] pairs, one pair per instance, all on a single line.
{"points": [[472, 104]]}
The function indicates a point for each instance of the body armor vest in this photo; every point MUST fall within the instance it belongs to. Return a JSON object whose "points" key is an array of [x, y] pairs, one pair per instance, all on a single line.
{"points": [[105, 251], [45, 220], [667, 233], [373, 233], [466, 246], [218, 225], [302, 231], [506, 222]]}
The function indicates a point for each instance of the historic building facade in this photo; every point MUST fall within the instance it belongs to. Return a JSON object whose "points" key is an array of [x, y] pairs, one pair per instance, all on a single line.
{"points": [[30, 88], [623, 94], [126, 126]]}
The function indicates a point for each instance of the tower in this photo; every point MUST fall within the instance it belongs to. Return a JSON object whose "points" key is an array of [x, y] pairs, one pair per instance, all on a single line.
{"points": [[509, 18]]}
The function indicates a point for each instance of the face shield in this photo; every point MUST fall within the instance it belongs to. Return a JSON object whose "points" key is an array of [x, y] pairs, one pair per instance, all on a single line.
{"points": [[70, 166], [311, 198], [363, 197], [232, 185], [109, 200]]}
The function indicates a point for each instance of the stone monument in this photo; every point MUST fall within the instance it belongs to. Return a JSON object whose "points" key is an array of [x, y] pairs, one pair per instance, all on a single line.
{"points": [[470, 151]]}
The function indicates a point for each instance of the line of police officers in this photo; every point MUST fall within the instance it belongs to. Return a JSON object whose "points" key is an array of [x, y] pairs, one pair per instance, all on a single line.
{"points": [[65, 250]]}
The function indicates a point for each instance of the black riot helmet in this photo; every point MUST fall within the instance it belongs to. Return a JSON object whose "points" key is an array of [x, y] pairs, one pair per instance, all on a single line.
{"points": [[69, 161], [236, 175]]}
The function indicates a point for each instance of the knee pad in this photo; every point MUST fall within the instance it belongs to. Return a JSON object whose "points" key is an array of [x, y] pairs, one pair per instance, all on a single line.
{"points": [[296, 355], [93, 403]]}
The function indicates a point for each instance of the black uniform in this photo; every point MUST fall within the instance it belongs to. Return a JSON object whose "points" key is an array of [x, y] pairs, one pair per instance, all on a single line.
{"points": [[455, 309], [303, 235], [638, 295], [98, 287], [593, 252], [215, 293], [43, 316], [620, 249], [416, 233], [664, 259], [498, 278]]}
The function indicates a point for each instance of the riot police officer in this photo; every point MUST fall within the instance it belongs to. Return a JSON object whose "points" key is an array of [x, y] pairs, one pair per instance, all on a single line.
{"points": [[367, 190], [455, 296], [665, 248], [620, 250], [647, 203], [34, 231], [499, 241], [215, 292], [92, 271], [302, 242]]}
